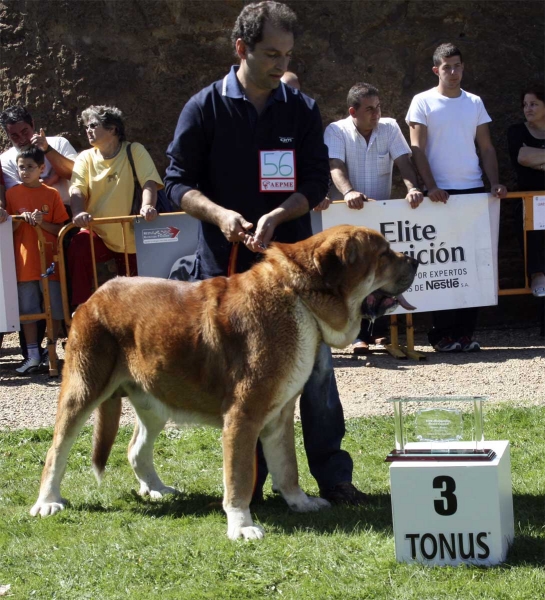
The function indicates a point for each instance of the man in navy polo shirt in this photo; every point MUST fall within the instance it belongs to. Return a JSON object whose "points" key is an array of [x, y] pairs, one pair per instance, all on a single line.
{"points": [[248, 152]]}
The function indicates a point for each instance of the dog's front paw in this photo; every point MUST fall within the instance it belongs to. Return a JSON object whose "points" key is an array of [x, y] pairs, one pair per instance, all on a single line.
{"points": [[308, 504], [253, 532], [47, 509], [240, 525]]}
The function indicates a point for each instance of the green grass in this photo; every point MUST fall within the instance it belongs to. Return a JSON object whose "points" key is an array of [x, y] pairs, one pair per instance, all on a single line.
{"points": [[109, 543]]}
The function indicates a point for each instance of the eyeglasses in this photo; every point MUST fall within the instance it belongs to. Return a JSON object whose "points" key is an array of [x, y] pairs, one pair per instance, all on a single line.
{"points": [[91, 126]]}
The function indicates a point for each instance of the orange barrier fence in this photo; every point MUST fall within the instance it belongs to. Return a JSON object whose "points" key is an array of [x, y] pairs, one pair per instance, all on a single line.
{"points": [[125, 224], [528, 225], [394, 348]]}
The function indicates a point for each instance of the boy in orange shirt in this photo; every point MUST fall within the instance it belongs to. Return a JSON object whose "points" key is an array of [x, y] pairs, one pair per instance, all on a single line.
{"points": [[39, 205]]}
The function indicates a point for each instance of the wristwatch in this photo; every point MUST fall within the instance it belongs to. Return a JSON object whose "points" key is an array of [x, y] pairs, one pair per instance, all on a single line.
{"points": [[48, 149], [415, 189]]}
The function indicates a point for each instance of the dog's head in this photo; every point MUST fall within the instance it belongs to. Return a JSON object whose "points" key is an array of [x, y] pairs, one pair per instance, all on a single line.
{"points": [[348, 272]]}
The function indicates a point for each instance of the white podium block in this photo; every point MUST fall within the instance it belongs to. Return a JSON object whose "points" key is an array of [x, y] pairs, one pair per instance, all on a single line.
{"points": [[9, 303], [452, 512]]}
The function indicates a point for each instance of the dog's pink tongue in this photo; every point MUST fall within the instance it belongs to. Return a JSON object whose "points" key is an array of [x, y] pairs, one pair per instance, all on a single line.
{"points": [[371, 300], [404, 304]]}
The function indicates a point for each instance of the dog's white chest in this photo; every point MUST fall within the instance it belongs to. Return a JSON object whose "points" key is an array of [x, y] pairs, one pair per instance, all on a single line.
{"points": [[308, 338]]}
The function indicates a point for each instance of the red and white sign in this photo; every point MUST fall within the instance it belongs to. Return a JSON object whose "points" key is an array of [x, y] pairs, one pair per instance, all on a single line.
{"points": [[277, 171], [160, 235]]}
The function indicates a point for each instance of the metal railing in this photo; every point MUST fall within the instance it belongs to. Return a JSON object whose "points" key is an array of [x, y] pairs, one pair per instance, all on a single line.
{"points": [[528, 225], [125, 223], [394, 348]]}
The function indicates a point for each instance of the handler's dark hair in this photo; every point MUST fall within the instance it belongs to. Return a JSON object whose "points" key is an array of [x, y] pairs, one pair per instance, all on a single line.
{"points": [[359, 91], [445, 51], [109, 117], [15, 114], [250, 22], [537, 88], [34, 154]]}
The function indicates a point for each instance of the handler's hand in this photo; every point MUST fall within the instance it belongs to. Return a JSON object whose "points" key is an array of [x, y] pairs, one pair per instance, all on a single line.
{"points": [[355, 200], [498, 190], [263, 234], [39, 141], [3, 215], [82, 219], [437, 195], [148, 212], [414, 197], [234, 226]]}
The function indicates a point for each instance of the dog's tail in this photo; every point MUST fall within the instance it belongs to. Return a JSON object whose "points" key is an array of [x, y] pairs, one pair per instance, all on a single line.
{"points": [[107, 417]]}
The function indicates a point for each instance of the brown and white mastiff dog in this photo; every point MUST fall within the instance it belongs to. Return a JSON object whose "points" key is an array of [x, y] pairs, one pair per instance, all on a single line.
{"points": [[231, 352]]}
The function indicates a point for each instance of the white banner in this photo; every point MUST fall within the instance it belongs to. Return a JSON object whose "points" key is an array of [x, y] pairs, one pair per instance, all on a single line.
{"points": [[456, 244]]}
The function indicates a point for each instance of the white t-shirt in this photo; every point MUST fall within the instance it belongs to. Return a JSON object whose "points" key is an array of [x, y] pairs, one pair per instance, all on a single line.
{"points": [[452, 126], [369, 165], [11, 174]]}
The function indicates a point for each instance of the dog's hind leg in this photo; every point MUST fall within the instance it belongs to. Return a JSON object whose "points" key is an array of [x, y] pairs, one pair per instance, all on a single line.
{"points": [[74, 408], [278, 440], [90, 360], [148, 426]]}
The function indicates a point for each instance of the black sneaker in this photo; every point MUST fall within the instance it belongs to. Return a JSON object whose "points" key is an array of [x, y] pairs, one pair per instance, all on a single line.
{"points": [[447, 344], [345, 493], [469, 345]]}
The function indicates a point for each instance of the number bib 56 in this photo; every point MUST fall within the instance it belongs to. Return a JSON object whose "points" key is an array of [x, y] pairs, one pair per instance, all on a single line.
{"points": [[277, 171]]}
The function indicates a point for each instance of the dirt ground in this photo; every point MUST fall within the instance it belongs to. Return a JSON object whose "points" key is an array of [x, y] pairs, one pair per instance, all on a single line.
{"points": [[510, 368]]}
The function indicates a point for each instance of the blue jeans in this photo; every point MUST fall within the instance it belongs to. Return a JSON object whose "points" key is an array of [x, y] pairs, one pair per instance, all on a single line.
{"points": [[322, 420]]}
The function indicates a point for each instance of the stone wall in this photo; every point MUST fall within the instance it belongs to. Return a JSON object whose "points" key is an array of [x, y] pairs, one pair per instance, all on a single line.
{"points": [[149, 56]]}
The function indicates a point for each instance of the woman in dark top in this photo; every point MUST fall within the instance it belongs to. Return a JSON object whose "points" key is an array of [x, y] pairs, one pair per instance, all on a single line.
{"points": [[527, 151]]}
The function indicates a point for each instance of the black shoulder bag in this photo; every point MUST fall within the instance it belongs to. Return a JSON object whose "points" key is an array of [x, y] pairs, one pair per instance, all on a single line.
{"points": [[164, 204], [137, 197]]}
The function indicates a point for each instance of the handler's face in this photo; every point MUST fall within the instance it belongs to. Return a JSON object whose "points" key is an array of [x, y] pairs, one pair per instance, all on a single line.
{"points": [[269, 59]]}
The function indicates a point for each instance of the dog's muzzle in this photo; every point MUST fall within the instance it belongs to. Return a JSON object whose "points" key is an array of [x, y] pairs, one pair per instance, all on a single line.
{"points": [[379, 304]]}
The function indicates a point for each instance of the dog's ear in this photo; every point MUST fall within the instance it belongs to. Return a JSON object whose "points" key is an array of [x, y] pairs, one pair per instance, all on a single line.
{"points": [[334, 254], [351, 250], [345, 250]]}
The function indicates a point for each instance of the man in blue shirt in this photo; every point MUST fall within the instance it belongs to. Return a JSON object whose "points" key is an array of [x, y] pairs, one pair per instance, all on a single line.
{"points": [[248, 152]]}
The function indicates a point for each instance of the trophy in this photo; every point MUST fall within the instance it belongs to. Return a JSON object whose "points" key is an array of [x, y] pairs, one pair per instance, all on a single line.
{"points": [[439, 431]]}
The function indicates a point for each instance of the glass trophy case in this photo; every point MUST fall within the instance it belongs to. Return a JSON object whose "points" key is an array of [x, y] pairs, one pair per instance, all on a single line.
{"points": [[439, 430]]}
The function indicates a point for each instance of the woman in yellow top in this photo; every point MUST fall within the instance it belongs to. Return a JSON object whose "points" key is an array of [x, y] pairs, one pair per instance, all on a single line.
{"points": [[102, 185]]}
